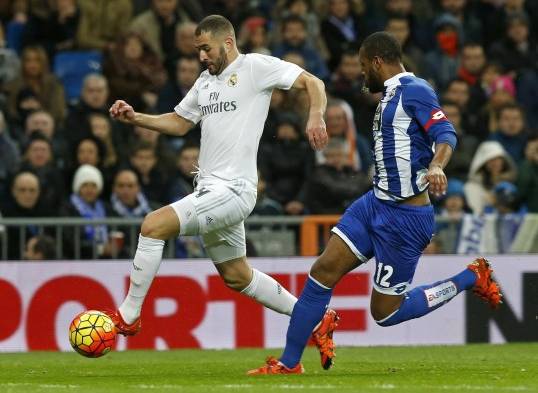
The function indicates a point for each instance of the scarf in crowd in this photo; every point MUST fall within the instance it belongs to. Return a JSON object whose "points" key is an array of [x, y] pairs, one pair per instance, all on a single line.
{"points": [[97, 233], [346, 27], [141, 209]]}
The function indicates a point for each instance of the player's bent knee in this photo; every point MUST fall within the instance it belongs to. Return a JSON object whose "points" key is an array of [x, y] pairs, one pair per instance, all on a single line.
{"points": [[157, 225], [324, 274]]}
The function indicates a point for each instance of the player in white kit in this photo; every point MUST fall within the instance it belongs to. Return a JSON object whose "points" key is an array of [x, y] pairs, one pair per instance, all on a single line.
{"points": [[231, 100]]}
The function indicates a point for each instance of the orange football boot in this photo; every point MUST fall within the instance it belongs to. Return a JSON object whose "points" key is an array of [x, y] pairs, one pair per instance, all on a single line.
{"points": [[273, 366], [485, 286], [123, 327], [323, 338]]}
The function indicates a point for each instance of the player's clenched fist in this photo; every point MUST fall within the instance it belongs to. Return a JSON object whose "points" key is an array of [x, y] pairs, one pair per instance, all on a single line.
{"points": [[437, 179], [122, 111], [317, 132]]}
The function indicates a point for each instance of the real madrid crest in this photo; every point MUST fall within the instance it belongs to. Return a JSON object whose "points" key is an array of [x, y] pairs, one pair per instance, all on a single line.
{"points": [[233, 80]]}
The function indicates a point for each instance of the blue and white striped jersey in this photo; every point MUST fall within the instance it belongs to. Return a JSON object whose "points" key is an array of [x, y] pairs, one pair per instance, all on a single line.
{"points": [[407, 122]]}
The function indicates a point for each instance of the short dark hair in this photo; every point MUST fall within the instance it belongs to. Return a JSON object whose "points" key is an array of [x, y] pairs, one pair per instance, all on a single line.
{"points": [[383, 45], [216, 25], [512, 106], [45, 245], [293, 19]]}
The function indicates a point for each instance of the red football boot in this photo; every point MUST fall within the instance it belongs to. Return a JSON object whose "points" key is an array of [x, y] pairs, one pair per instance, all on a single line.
{"points": [[123, 327], [273, 366], [485, 286]]}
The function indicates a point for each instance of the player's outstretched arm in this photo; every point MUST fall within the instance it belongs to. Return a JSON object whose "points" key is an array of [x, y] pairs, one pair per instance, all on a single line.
{"points": [[315, 127], [436, 176], [167, 123]]}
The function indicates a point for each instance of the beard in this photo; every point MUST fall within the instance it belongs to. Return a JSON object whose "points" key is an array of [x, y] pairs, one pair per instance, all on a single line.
{"points": [[219, 64], [373, 84]]}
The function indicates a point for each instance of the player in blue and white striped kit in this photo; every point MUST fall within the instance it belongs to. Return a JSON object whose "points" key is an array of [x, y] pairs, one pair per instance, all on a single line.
{"points": [[413, 142]]}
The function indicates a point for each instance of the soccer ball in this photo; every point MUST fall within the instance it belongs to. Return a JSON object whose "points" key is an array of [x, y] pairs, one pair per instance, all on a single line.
{"points": [[92, 333]]}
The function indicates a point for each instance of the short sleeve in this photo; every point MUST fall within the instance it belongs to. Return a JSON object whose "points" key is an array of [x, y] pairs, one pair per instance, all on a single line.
{"points": [[188, 107], [270, 72], [421, 102]]}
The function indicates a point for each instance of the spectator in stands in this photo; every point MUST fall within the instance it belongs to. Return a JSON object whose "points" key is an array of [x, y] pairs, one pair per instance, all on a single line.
{"points": [[9, 61], [491, 165], [101, 127], [305, 10], [473, 61], [502, 92], [158, 26], [187, 163], [516, 51], [527, 181], [37, 81], [93, 99], [461, 9], [505, 199], [412, 56], [265, 206], [495, 15], [84, 202], [333, 185], [340, 125], [154, 178], [19, 16], [253, 36], [54, 28], [347, 84], [184, 47], [134, 72], [10, 157], [441, 64], [511, 132], [294, 40], [286, 164], [43, 122], [166, 147], [127, 199], [101, 22], [341, 29], [460, 162], [186, 72], [38, 158], [23, 202], [40, 248], [453, 205]]}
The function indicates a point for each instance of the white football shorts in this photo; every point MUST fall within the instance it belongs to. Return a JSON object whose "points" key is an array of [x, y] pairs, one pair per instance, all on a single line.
{"points": [[216, 210]]}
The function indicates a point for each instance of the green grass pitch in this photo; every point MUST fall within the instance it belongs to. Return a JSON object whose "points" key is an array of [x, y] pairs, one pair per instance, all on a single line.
{"points": [[470, 368]]}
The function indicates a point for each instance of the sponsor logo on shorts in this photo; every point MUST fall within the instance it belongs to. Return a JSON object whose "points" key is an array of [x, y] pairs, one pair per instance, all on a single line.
{"points": [[137, 267], [440, 293]]}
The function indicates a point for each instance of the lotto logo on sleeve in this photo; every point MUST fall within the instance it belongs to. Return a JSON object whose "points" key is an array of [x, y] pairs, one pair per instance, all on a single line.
{"points": [[440, 293], [435, 116]]}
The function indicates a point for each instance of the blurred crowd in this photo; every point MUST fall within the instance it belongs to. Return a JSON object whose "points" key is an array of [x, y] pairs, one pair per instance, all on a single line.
{"points": [[63, 156]]}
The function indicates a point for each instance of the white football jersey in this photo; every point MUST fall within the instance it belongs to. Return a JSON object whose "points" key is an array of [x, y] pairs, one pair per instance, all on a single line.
{"points": [[233, 107]]}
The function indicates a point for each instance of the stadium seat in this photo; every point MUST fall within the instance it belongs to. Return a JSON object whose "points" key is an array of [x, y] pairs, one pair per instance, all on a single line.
{"points": [[71, 68]]}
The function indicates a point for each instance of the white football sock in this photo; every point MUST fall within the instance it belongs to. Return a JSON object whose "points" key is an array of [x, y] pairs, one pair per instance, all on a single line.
{"points": [[267, 291], [146, 263]]}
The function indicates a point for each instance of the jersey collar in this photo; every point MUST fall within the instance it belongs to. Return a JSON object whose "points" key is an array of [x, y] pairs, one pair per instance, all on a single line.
{"points": [[231, 67], [395, 80]]}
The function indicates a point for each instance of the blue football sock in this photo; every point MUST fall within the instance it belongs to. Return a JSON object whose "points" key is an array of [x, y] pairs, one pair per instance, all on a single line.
{"points": [[307, 313], [423, 300]]}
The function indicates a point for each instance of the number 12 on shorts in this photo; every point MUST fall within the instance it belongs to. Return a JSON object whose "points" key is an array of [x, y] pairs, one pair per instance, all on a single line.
{"points": [[383, 273]]}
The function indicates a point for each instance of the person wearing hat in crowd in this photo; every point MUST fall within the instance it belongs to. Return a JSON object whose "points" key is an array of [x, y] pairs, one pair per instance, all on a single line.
{"points": [[84, 202], [454, 205]]}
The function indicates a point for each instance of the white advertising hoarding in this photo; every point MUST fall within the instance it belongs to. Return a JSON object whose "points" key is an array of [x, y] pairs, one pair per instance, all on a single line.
{"points": [[189, 307]]}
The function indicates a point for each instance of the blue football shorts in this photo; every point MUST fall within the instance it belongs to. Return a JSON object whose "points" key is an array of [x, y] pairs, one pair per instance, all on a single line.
{"points": [[394, 233]]}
